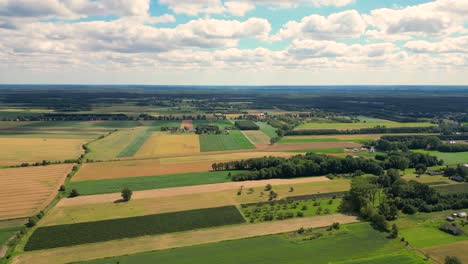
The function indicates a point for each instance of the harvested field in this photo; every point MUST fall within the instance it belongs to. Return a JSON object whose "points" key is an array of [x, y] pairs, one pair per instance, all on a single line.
{"points": [[308, 146], [455, 249], [186, 124], [26, 191], [19, 150], [162, 143], [161, 166], [257, 136], [182, 239], [75, 211], [114, 144]]}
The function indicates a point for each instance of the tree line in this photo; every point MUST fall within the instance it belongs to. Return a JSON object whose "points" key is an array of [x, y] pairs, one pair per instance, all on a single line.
{"points": [[312, 164], [392, 143]]}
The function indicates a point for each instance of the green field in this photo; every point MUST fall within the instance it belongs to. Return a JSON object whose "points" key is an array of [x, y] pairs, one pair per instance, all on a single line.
{"points": [[422, 229], [450, 158], [267, 129], [405, 258], [136, 144], [157, 124], [150, 182], [343, 126], [453, 188], [353, 242], [99, 231], [117, 124], [221, 123], [280, 210], [6, 233], [233, 141]]}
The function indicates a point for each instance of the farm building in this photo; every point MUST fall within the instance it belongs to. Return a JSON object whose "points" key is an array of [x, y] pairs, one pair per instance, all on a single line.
{"points": [[462, 214], [457, 179], [450, 219], [451, 229]]}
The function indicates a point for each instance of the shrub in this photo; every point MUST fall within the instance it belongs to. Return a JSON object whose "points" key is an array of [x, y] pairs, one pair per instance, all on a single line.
{"points": [[62, 188], [126, 194], [73, 193], [32, 221]]}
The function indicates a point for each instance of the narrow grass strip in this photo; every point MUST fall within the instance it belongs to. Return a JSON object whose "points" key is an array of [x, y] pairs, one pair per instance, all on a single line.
{"points": [[133, 147]]}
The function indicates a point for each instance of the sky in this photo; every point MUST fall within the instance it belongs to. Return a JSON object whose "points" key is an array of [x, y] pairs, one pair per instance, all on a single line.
{"points": [[234, 42]]}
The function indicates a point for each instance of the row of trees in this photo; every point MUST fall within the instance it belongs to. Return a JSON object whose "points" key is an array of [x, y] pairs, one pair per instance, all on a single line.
{"points": [[315, 164], [388, 143]]}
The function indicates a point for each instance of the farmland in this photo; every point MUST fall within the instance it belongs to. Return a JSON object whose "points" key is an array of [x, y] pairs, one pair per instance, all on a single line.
{"points": [[257, 136], [38, 149], [344, 126], [267, 129], [151, 182], [26, 191], [162, 143], [359, 242], [233, 141], [449, 158], [75, 234]]}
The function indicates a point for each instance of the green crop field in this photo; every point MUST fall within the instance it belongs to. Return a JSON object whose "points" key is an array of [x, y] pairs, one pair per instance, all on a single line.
{"points": [[136, 144], [342, 126], [289, 209], [318, 140], [404, 258], [453, 188], [355, 241], [267, 129], [151, 182], [157, 124], [450, 158], [99, 231], [117, 124], [233, 141], [221, 123]]}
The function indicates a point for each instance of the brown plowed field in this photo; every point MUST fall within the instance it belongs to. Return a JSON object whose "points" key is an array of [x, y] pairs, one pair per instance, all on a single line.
{"points": [[26, 191], [161, 166], [181, 239], [187, 124]]}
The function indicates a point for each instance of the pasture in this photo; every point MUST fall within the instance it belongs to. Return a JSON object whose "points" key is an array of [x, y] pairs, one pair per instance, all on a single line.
{"points": [[450, 158], [162, 143], [99, 231], [233, 141], [118, 143], [359, 241], [345, 126], [161, 166], [452, 188], [174, 240], [18, 150], [151, 182], [26, 191]]}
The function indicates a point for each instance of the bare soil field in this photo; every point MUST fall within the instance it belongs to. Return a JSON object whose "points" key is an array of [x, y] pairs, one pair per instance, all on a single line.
{"points": [[17, 150], [307, 146], [25, 191], [182, 239], [73, 211], [161, 143], [162, 166], [186, 124], [454, 249]]}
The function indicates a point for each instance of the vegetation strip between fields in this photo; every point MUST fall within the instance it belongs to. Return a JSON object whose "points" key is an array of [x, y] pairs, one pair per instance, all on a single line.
{"points": [[133, 147]]}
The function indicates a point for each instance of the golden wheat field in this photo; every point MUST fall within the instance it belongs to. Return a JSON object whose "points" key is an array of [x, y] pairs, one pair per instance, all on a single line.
{"points": [[26, 191], [38, 149], [161, 143]]}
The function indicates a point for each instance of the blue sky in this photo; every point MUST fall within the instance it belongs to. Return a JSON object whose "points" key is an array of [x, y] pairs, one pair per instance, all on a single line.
{"points": [[234, 42]]}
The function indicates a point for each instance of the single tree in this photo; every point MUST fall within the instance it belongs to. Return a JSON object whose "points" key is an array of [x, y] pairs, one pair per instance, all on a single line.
{"points": [[452, 260], [73, 193], [394, 232], [126, 194]]}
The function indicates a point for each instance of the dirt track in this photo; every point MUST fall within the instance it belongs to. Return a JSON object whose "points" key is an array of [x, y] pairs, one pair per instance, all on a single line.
{"points": [[168, 192], [161, 242]]}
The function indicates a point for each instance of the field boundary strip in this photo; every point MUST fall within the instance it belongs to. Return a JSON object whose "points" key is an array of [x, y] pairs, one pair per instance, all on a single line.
{"points": [[132, 148]]}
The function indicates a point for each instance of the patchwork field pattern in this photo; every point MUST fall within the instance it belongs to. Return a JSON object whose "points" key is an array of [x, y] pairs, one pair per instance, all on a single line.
{"points": [[233, 141], [162, 143], [203, 236], [162, 166], [90, 232], [25, 191], [19, 150]]}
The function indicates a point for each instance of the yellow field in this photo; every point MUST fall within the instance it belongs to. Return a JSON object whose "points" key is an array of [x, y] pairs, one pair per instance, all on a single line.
{"points": [[161, 143], [102, 207], [38, 149], [257, 136], [180, 239]]}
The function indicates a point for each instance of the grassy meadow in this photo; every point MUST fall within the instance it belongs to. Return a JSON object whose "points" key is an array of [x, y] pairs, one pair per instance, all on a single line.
{"points": [[450, 158], [233, 141]]}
